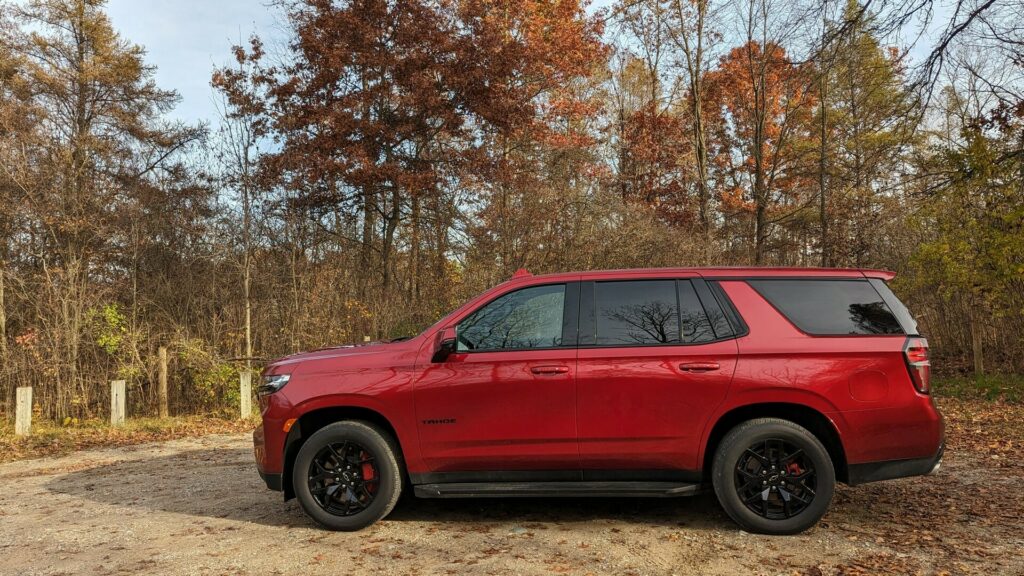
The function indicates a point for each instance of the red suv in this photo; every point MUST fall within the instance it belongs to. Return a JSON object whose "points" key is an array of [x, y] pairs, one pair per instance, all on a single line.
{"points": [[767, 384]]}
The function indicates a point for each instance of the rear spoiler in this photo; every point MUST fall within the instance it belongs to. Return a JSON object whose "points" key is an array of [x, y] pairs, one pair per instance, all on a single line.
{"points": [[886, 275]]}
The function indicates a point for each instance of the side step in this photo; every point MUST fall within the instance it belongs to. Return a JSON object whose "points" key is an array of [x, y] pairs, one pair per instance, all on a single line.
{"points": [[544, 489]]}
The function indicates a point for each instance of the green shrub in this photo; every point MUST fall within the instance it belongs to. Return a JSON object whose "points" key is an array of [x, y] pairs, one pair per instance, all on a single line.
{"points": [[1004, 387]]}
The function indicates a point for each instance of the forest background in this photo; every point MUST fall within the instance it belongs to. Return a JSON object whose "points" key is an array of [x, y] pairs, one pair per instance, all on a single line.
{"points": [[387, 160]]}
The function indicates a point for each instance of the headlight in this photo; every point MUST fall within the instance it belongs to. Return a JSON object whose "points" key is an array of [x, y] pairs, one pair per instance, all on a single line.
{"points": [[273, 383]]}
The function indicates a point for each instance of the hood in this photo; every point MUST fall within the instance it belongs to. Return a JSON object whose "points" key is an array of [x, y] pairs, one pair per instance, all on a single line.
{"points": [[366, 349]]}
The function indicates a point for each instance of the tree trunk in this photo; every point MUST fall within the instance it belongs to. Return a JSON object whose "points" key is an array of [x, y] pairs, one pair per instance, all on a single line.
{"points": [[414, 253], [296, 317], [701, 152], [826, 251], [366, 242], [695, 70], [162, 382], [390, 226], [760, 194], [3, 316], [977, 344]]}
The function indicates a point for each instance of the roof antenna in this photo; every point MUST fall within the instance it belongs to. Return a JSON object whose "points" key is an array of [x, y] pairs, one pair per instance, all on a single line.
{"points": [[521, 273]]}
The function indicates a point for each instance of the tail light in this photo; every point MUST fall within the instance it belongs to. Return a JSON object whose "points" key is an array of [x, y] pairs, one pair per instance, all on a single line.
{"points": [[915, 352]]}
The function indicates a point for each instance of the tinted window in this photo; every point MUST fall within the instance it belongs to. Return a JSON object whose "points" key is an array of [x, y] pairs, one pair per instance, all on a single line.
{"points": [[527, 318], [723, 318], [695, 324], [634, 313], [898, 308], [830, 306]]}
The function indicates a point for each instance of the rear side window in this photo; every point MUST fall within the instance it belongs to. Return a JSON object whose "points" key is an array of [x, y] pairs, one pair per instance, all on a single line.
{"points": [[649, 312], [830, 307], [696, 327], [636, 313]]}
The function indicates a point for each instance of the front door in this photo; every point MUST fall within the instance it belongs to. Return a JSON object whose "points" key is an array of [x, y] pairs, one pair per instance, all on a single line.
{"points": [[651, 370], [505, 400]]}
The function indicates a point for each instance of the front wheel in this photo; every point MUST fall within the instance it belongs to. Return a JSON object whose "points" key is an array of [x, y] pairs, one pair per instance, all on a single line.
{"points": [[347, 475], [773, 476]]}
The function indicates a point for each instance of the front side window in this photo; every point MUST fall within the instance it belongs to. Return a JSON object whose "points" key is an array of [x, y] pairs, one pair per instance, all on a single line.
{"points": [[830, 307], [524, 319], [632, 313]]}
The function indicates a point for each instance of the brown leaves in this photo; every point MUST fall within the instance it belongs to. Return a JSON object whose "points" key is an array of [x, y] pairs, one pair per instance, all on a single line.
{"points": [[50, 438], [989, 428], [380, 96]]}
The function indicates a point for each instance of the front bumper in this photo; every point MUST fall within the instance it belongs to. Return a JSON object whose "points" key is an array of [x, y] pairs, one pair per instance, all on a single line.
{"points": [[273, 481], [890, 469]]}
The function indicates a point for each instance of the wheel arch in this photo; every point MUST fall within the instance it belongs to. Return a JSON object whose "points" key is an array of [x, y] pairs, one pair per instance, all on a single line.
{"points": [[313, 420], [813, 420]]}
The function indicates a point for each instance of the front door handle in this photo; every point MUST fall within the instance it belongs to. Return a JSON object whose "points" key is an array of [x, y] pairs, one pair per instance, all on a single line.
{"points": [[550, 369], [699, 366]]}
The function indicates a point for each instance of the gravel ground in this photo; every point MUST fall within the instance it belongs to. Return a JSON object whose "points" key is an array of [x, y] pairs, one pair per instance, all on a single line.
{"points": [[197, 506]]}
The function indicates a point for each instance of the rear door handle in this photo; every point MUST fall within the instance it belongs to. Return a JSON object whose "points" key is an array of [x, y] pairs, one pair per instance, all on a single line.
{"points": [[550, 369], [699, 366]]}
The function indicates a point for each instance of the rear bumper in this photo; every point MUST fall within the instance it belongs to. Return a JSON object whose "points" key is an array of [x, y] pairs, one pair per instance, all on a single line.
{"points": [[889, 469]]}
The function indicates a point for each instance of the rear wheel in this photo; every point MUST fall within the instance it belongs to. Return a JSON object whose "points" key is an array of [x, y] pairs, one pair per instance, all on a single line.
{"points": [[347, 475], [773, 476]]}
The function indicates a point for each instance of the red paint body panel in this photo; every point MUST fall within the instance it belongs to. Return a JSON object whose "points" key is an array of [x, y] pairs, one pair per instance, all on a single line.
{"points": [[505, 417], [779, 363], [638, 409], [610, 408]]}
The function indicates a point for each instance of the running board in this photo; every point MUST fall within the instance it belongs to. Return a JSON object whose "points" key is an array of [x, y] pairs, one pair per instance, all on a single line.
{"points": [[545, 489]]}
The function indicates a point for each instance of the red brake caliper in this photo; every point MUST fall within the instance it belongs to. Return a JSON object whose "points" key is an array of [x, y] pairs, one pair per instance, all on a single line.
{"points": [[367, 469], [793, 468]]}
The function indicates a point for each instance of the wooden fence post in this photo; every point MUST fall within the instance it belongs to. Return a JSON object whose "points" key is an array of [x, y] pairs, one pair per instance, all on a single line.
{"points": [[162, 390], [23, 413], [245, 389], [117, 402]]}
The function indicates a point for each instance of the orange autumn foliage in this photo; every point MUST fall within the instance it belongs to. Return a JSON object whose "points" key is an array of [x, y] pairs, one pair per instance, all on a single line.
{"points": [[761, 106]]}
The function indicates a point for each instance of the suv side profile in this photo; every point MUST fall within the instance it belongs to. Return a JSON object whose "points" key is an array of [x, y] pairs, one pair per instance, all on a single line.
{"points": [[768, 385]]}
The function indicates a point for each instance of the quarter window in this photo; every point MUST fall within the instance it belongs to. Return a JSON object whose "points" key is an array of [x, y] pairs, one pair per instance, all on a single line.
{"points": [[524, 319], [830, 307]]}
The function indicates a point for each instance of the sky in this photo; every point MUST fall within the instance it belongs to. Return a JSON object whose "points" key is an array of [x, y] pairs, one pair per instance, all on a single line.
{"points": [[186, 39]]}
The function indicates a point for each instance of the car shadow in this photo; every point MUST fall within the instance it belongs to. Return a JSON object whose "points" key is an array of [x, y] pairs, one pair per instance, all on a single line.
{"points": [[223, 483]]}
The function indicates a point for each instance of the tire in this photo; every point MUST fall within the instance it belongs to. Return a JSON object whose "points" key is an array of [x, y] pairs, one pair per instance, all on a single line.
{"points": [[786, 500], [331, 470]]}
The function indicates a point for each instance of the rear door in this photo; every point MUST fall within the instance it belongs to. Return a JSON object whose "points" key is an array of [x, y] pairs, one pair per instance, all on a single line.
{"points": [[656, 358]]}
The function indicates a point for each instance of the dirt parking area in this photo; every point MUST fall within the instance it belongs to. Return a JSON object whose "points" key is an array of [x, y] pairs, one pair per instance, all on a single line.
{"points": [[197, 506]]}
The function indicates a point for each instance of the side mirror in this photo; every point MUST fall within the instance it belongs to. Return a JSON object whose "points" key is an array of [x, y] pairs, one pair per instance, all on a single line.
{"points": [[445, 345]]}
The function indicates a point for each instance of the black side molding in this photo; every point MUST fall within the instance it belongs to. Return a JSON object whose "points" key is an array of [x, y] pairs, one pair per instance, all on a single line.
{"points": [[890, 469], [554, 489], [534, 476]]}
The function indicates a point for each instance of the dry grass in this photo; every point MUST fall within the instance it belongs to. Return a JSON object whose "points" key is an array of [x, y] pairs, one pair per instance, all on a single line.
{"points": [[52, 438]]}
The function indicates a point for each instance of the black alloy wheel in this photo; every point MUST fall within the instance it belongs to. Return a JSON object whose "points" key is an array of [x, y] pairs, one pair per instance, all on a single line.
{"points": [[348, 475], [775, 479], [773, 476], [343, 478]]}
